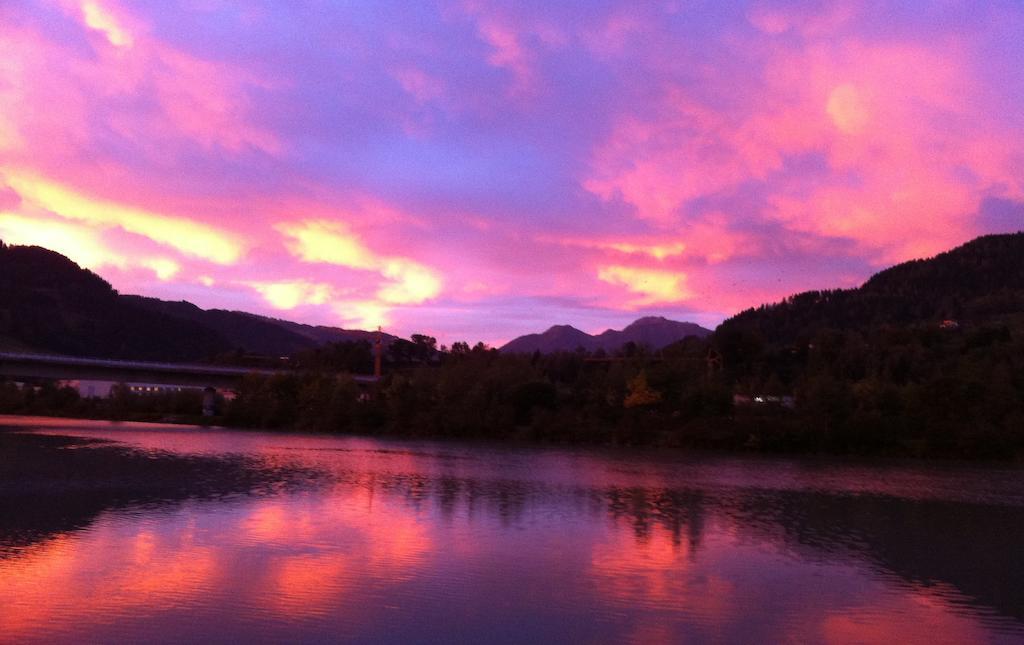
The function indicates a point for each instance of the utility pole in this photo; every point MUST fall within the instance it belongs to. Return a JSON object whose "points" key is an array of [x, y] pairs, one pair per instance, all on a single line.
{"points": [[378, 352]]}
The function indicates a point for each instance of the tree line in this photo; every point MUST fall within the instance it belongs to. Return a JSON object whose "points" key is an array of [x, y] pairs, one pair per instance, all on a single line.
{"points": [[891, 390], [926, 358]]}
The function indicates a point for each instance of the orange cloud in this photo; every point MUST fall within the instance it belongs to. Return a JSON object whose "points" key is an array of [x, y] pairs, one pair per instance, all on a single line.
{"points": [[330, 242], [83, 244], [362, 314], [291, 294], [185, 235], [709, 239], [79, 242], [412, 283], [654, 285], [98, 18], [656, 251], [164, 268]]}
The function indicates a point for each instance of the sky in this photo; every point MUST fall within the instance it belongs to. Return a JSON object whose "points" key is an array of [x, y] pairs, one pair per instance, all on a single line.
{"points": [[476, 170]]}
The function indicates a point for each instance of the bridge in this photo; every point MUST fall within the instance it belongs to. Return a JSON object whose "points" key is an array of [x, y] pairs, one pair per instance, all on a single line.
{"points": [[68, 368]]}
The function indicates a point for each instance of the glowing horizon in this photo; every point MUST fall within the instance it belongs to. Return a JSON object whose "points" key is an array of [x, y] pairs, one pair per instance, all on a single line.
{"points": [[477, 171]]}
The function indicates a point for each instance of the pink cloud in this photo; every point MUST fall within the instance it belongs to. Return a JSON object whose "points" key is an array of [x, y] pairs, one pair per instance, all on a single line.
{"points": [[8, 199], [897, 123], [705, 240], [904, 126], [422, 86], [516, 40], [28, 79], [688, 150], [508, 51], [613, 35], [205, 101], [516, 163], [208, 102], [809, 19]]}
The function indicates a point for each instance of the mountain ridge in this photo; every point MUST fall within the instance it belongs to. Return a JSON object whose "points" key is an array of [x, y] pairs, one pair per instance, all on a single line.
{"points": [[254, 333], [980, 280], [654, 332], [48, 303]]}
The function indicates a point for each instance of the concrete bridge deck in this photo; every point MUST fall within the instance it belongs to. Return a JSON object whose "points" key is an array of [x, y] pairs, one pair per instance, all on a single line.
{"points": [[24, 365]]}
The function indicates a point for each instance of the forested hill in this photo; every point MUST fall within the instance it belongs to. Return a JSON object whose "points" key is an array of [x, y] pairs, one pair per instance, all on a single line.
{"points": [[979, 282], [50, 304], [868, 370], [255, 334]]}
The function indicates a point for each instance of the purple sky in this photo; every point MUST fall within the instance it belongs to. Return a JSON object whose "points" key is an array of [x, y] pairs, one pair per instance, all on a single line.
{"points": [[478, 170]]}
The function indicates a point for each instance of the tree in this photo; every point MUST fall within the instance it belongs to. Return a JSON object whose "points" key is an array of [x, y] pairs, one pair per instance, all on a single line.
{"points": [[424, 347], [640, 393]]}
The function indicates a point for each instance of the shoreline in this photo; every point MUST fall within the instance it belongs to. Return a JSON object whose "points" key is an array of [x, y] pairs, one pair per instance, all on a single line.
{"points": [[8, 425]]}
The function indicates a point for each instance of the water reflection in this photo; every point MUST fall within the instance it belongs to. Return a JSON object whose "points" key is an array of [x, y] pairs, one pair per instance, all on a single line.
{"points": [[53, 485], [310, 538]]}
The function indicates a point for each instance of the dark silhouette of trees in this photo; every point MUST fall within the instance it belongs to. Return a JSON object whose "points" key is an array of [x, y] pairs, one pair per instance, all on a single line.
{"points": [[927, 358]]}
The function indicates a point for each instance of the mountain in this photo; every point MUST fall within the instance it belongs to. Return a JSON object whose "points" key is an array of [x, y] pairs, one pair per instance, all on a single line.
{"points": [[980, 281], [558, 338], [239, 330], [321, 334], [653, 331], [50, 304], [256, 334]]}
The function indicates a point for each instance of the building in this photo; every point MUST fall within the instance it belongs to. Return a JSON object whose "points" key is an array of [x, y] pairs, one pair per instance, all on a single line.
{"points": [[102, 389], [751, 400]]}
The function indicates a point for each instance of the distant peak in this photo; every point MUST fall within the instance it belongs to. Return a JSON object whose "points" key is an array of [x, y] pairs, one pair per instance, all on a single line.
{"points": [[558, 328], [649, 320], [653, 331]]}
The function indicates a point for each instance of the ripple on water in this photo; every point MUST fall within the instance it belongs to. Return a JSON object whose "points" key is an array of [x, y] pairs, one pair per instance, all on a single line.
{"points": [[165, 535]]}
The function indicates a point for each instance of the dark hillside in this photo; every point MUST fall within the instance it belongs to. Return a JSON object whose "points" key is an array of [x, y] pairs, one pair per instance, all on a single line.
{"points": [[50, 304], [981, 281], [926, 357], [248, 332], [256, 334]]}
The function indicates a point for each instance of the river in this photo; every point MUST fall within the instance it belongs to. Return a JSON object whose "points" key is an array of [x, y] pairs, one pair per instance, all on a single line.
{"points": [[141, 532]]}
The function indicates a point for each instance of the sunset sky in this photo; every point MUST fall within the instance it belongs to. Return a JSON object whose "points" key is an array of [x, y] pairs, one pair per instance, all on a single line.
{"points": [[477, 170]]}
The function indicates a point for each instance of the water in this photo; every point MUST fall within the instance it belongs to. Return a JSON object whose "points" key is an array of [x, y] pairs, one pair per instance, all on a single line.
{"points": [[175, 534]]}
